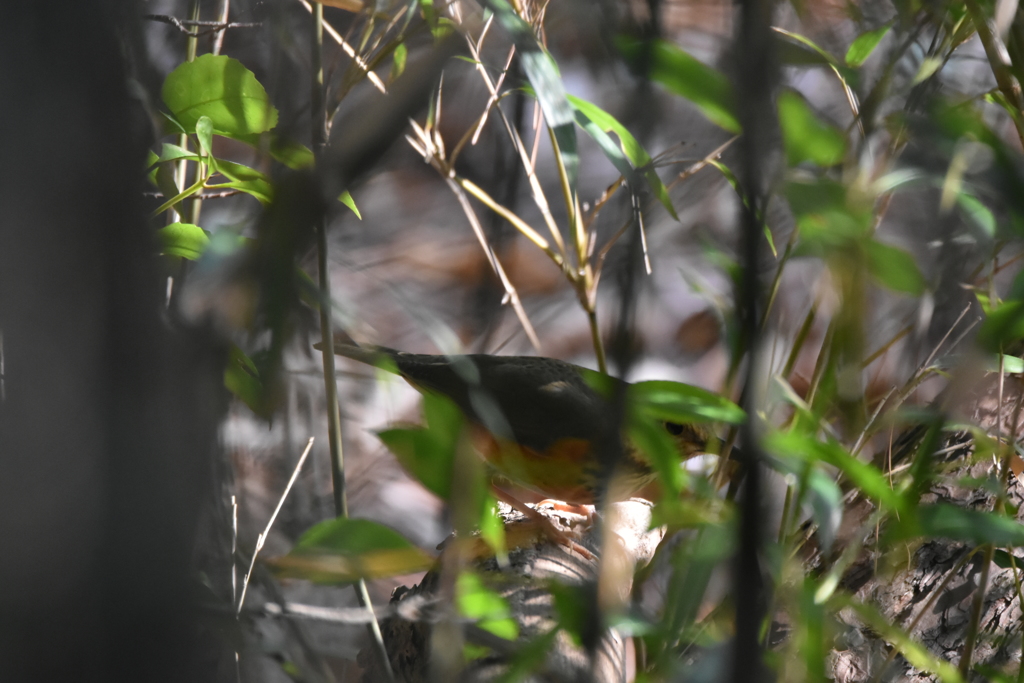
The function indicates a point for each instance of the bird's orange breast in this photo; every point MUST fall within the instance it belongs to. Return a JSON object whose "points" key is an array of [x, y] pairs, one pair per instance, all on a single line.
{"points": [[564, 471]]}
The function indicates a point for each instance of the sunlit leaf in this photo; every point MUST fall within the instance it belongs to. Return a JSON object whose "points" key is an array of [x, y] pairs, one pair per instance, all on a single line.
{"points": [[399, 58], [221, 88], [678, 402], [805, 137], [490, 611], [183, 239], [204, 133], [344, 550], [862, 47], [592, 115], [346, 199], [685, 75], [894, 268]]}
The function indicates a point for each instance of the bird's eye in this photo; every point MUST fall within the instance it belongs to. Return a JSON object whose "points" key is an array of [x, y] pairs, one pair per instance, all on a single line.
{"points": [[673, 428]]}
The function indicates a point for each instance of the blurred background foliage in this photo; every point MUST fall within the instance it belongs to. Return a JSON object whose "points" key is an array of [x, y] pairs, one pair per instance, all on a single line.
{"points": [[483, 173]]}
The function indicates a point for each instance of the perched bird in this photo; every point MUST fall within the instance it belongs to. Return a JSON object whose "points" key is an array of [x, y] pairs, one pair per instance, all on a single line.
{"points": [[536, 421]]}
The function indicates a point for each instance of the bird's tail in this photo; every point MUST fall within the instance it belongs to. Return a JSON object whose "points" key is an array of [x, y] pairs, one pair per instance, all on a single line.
{"points": [[345, 345]]}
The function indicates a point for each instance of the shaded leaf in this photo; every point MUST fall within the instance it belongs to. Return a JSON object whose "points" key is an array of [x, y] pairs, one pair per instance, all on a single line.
{"points": [[685, 75], [678, 402], [428, 453], [478, 602], [960, 524], [894, 268], [242, 379]]}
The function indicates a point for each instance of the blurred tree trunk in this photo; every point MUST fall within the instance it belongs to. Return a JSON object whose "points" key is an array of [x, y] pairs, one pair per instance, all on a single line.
{"points": [[107, 420]]}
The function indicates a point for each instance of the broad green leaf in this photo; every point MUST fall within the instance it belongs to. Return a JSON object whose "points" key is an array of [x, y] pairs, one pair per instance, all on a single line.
{"points": [[576, 606], [960, 524], [343, 550], [221, 88], [246, 179], [634, 151], [862, 47], [804, 136], [542, 72], [346, 199], [1002, 326], [678, 402], [243, 379], [428, 453], [183, 239], [658, 449], [490, 611], [894, 268], [688, 77]]}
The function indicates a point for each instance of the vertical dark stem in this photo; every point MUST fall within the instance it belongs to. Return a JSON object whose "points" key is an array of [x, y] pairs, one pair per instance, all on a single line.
{"points": [[754, 81], [319, 126]]}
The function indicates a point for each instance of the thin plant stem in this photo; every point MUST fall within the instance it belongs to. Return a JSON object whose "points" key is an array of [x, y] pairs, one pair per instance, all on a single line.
{"points": [[327, 337]]}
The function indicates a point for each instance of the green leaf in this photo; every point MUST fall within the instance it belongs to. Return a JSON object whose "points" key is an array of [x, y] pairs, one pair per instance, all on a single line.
{"points": [[346, 199], [542, 72], [862, 47], [960, 524], [398, 64], [245, 179], [678, 402], [894, 268], [688, 77], [183, 239], [243, 379], [805, 137], [978, 213], [343, 550], [290, 153], [864, 476], [428, 453], [478, 602], [204, 133], [221, 88], [588, 113], [826, 501], [1002, 326]]}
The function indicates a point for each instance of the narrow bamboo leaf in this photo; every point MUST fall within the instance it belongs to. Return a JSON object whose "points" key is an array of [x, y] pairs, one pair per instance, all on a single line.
{"points": [[398, 61], [863, 475], [915, 653], [804, 136], [960, 524], [894, 268], [183, 239], [688, 77], [542, 72], [864, 44], [346, 199], [634, 151], [343, 550], [978, 213], [221, 88]]}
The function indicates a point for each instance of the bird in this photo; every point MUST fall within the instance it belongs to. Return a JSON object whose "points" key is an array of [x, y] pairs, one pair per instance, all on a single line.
{"points": [[537, 422]]}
